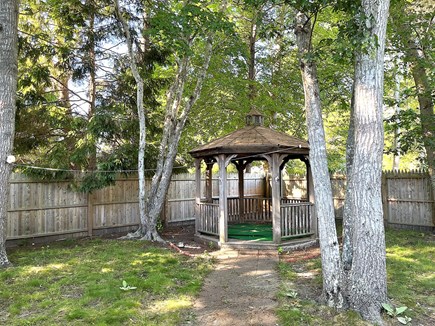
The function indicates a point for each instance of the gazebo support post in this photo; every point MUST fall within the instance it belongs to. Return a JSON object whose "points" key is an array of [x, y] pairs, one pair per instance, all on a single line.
{"points": [[311, 199], [275, 163], [240, 171], [209, 182], [223, 162], [197, 192], [241, 166]]}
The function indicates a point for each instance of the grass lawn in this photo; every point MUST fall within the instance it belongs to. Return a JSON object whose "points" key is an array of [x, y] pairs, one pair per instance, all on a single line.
{"points": [[411, 283], [78, 283]]}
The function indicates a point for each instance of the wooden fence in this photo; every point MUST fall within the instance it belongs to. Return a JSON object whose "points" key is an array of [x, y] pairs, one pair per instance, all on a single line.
{"points": [[52, 209], [41, 208], [407, 197], [408, 200]]}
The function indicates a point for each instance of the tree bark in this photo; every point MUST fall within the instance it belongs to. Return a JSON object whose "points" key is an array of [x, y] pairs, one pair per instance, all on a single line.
{"points": [[366, 286], [331, 265], [396, 143], [426, 105], [92, 163], [141, 115], [8, 89], [177, 111], [174, 125]]}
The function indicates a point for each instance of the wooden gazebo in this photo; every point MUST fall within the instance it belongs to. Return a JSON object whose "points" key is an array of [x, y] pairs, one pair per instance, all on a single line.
{"points": [[292, 220]]}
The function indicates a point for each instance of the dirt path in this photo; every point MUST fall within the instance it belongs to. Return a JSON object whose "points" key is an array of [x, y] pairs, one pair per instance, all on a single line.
{"points": [[240, 291]]}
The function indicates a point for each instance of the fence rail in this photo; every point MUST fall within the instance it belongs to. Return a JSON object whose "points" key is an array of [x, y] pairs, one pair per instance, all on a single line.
{"points": [[42, 208]]}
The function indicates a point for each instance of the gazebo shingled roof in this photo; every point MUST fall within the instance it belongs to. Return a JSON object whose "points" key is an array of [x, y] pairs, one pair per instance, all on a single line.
{"points": [[253, 140]]}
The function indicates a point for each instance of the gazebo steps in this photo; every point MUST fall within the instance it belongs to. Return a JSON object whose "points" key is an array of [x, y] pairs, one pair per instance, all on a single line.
{"points": [[241, 245]]}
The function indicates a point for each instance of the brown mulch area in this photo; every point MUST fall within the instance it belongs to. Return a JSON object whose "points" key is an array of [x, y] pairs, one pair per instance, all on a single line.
{"points": [[301, 255], [181, 239]]}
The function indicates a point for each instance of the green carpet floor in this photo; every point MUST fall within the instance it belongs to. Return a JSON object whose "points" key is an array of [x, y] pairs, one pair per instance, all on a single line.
{"points": [[245, 231]]}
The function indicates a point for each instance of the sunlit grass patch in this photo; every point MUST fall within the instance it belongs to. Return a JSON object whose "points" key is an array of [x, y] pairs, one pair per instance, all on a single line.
{"points": [[80, 283], [411, 283]]}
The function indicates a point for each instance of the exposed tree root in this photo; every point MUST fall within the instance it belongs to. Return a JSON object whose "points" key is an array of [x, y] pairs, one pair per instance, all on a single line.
{"points": [[152, 236], [5, 265], [372, 314], [139, 235], [132, 235]]}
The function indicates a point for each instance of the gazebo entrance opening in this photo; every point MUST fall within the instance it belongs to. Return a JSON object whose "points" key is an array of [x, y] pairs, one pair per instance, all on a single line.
{"points": [[270, 219]]}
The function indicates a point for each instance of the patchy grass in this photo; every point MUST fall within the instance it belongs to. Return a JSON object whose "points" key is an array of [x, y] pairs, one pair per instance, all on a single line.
{"points": [[78, 283], [411, 283], [411, 273]]}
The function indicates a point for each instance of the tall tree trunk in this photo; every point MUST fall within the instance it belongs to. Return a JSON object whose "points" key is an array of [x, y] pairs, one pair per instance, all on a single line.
{"points": [[426, 106], [140, 112], [251, 61], [331, 266], [8, 89], [347, 216], [174, 125], [177, 111], [92, 142], [366, 286], [396, 143]]}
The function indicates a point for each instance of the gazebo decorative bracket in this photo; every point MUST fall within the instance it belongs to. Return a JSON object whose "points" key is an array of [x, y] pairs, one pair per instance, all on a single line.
{"points": [[227, 160]]}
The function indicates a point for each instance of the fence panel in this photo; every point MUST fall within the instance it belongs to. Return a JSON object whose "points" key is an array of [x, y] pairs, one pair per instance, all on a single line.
{"points": [[44, 208], [410, 199], [116, 205]]}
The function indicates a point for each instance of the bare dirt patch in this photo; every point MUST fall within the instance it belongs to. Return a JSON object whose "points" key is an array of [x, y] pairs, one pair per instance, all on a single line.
{"points": [[181, 238], [240, 291]]}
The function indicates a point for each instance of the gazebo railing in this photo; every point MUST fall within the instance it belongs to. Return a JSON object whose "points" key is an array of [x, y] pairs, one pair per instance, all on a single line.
{"points": [[208, 221], [296, 215], [256, 209], [296, 219]]}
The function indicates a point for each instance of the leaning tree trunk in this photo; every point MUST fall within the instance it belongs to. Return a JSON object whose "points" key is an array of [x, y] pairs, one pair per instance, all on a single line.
{"points": [[366, 286], [174, 125], [8, 89], [331, 266], [177, 111]]}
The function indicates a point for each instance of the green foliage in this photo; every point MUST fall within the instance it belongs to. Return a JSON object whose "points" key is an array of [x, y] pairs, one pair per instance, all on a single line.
{"points": [[410, 134], [126, 287], [56, 39], [396, 312]]}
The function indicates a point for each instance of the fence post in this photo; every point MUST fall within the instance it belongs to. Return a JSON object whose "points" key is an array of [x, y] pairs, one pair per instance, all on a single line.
{"points": [[432, 192], [384, 194], [91, 213]]}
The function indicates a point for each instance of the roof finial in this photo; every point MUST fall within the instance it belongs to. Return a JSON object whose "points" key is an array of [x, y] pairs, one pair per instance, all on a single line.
{"points": [[254, 118]]}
